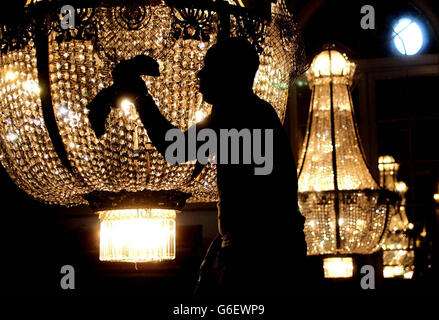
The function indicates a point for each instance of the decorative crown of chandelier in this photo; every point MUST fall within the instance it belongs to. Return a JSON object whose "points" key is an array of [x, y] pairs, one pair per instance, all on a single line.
{"points": [[346, 211]]}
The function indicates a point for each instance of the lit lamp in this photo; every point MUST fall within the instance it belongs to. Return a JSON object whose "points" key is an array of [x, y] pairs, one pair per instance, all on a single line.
{"points": [[137, 235], [345, 209], [388, 170], [48, 76], [398, 253]]}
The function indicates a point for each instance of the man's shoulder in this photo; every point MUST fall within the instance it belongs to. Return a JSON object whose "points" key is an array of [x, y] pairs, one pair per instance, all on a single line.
{"points": [[266, 111]]}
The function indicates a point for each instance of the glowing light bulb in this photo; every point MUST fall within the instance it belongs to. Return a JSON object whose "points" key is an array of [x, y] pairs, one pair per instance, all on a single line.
{"points": [[127, 107], [129, 110], [199, 115], [31, 86], [401, 187], [137, 235]]}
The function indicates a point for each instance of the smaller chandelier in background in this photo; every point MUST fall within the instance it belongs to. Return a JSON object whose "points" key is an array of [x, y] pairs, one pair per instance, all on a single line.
{"points": [[398, 250], [338, 267]]}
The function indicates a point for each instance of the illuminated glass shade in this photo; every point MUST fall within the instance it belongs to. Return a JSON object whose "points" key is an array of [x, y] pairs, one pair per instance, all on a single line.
{"points": [[345, 210], [137, 235], [338, 267]]}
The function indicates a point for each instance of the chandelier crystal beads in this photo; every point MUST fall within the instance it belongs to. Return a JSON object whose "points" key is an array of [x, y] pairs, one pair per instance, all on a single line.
{"points": [[398, 244], [77, 64]]}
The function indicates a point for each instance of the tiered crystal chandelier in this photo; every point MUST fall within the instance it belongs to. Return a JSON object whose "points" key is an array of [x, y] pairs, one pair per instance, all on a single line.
{"points": [[49, 75], [398, 248], [346, 211]]}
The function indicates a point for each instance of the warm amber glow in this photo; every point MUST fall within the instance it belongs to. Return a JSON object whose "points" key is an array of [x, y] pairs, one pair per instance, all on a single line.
{"points": [[31, 86], [331, 63], [137, 235], [10, 76], [78, 70], [388, 171], [436, 197], [332, 134], [338, 267], [393, 271], [387, 163]]}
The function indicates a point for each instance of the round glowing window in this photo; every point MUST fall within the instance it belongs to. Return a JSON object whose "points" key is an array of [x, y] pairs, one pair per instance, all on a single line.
{"points": [[407, 36]]}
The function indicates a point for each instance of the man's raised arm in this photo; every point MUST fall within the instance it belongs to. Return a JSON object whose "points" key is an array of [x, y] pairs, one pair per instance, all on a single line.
{"points": [[158, 126]]}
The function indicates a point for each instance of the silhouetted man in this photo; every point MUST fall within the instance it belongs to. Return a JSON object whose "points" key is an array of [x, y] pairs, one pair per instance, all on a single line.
{"points": [[261, 246]]}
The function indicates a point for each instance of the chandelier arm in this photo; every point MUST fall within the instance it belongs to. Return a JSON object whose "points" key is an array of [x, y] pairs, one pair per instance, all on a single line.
{"points": [[308, 130]]}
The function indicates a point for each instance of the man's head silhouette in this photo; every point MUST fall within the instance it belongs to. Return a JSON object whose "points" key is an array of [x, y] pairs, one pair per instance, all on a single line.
{"points": [[229, 69]]}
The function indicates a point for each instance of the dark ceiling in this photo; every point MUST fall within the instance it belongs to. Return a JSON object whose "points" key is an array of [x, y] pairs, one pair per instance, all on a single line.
{"points": [[338, 21]]}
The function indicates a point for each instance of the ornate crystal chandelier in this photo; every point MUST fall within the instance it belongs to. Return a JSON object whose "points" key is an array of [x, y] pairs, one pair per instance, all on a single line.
{"points": [[398, 248], [346, 211], [48, 76]]}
